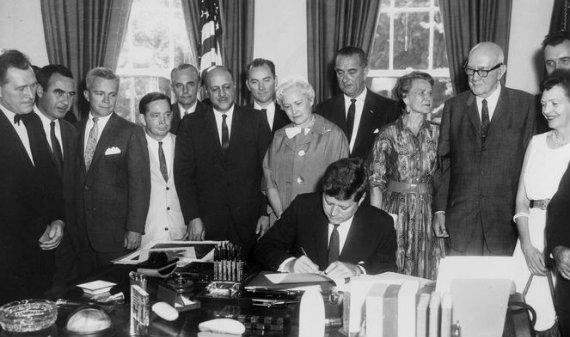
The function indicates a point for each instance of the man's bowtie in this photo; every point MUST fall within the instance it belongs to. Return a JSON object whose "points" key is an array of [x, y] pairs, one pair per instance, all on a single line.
{"points": [[24, 118]]}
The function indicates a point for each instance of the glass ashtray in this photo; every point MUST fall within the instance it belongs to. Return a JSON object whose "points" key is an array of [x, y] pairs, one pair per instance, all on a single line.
{"points": [[28, 315]]}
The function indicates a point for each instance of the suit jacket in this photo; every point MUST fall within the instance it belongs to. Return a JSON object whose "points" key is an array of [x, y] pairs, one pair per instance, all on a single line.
{"points": [[371, 238], [476, 185], [280, 118], [222, 190], [558, 234], [176, 116], [377, 112], [164, 220], [30, 198], [113, 196]]}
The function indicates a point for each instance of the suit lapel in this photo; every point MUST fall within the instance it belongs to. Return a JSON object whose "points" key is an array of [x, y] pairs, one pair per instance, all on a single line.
{"points": [[321, 237], [105, 139], [8, 130], [473, 113], [500, 111], [81, 144], [354, 237], [365, 121], [211, 128]]}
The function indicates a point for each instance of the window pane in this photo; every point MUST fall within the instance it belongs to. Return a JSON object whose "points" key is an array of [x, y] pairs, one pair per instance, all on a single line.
{"points": [[124, 102], [379, 55], [411, 40], [412, 3], [439, 49]]}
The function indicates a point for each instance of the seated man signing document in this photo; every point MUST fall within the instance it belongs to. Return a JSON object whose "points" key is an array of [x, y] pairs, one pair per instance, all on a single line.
{"points": [[333, 231]]}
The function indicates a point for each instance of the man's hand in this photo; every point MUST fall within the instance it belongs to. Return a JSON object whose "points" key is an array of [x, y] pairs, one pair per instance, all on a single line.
{"points": [[439, 225], [302, 264], [534, 260], [51, 238], [341, 270], [132, 240], [195, 231], [262, 226], [562, 256]]}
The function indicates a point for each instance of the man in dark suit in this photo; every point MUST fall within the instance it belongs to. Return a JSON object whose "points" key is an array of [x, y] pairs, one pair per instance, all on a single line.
{"points": [[558, 244], [185, 81], [261, 82], [483, 137], [31, 197], [217, 165], [359, 112], [113, 187], [334, 231], [55, 96]]}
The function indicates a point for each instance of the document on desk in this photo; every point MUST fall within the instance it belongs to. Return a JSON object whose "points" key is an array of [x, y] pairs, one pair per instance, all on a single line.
{"points": [[185, 251], [289, 281]]}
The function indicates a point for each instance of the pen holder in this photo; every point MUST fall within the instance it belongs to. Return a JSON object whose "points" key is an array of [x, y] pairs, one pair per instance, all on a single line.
{"points": [[140, 305], [228, 263]]}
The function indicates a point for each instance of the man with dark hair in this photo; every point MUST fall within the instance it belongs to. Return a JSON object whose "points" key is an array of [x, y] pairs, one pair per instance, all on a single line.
{"points": [[217, 165], [164, 220], [556, 47], [261, 82], [31, 197], [55, 96], [185, 82], [359, 112], [332, 231], [113, 183]]}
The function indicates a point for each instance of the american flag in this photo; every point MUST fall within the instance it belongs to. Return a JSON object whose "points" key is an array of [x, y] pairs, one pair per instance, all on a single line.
{"points": [[211, 28]]}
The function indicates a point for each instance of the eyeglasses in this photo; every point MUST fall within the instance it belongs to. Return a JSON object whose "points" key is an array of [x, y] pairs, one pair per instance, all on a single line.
{"points": [[481, 72]]}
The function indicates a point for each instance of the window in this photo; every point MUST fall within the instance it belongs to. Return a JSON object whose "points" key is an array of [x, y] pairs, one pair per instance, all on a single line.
{"points": [[409, 36], [156, 41]]}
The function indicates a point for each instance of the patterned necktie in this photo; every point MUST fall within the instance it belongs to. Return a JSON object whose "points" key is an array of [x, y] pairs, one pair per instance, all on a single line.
{"points": [[485, 121], [91, 143], [56, 149], [225, 133], [162, 161], [350, 119], [334, 246]]}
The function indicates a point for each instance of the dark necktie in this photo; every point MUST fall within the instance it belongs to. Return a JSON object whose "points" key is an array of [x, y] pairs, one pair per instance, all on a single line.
{"points": [[18, 118], [350, 119], [485, 121], [225, 133], [264, 112], [56, 149], [162, 162], [334, 246]]}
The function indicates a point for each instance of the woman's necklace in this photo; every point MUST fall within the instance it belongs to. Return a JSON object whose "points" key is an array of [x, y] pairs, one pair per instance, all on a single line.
{"points": [[558, 140]]}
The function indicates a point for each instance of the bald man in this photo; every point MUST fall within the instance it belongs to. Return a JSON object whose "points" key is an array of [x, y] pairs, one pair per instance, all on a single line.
{"points": [[185, 82], [484, 134], [217, 165]]}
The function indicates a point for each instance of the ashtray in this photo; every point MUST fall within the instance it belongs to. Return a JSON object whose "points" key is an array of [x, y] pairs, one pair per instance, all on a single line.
{"points": [[28, 315]]}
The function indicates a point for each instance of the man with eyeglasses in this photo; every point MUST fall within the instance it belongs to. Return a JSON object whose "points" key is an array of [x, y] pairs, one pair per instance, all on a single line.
{"points": [[483, 137], [184, 81]]}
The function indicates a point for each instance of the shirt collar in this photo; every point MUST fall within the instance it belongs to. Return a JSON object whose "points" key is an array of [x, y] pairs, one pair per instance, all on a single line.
{"points": [[192, 108], [268, 107], [229, 113], [101, 119], [45, 120], [359, 98], [492, 99]]}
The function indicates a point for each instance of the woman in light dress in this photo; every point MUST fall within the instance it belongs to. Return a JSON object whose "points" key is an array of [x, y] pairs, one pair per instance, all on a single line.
{"points": [[545, 162]]}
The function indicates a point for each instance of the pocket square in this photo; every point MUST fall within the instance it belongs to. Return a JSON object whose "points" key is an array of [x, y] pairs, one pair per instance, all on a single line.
{"points": [[376, 131], [112, 150]]}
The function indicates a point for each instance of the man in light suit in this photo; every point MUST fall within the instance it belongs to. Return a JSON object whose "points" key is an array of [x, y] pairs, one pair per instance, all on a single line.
{"points": [[483, 137], [185, 81], [31, 197], [217, 165], [332, 231], [164, 220], [55, 96], [261, 82], [113, 184], [359, 112]]}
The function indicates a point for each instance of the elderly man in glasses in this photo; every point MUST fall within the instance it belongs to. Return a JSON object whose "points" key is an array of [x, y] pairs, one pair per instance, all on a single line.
{"points": [[484, 134]]}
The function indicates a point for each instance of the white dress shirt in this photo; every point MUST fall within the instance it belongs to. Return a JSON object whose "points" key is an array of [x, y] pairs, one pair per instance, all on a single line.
{"points": [[359, 105], [219, 119], [20, 130], [269, 113], [47, 128], [101, 122], [184, 112], [491, 103]]}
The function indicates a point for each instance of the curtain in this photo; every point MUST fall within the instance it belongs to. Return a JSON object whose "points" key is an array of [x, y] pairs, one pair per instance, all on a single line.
{"points": [[559, 19], [237, 48], [191, 9], [468, 22], [84, 34], [332, 25]]}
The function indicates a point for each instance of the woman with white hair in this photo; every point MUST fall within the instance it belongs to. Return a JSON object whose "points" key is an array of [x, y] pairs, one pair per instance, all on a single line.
{"points": [[301, 151]]}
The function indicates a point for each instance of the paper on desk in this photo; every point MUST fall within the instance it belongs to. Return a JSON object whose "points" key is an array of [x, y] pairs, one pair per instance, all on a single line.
{"points": [[473, 267], [185, 251]]}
